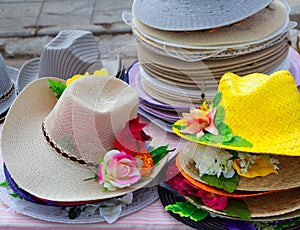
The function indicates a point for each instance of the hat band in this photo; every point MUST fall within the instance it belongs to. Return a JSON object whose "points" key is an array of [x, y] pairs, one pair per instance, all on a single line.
{"points": [[62, 152], [7, 93]]}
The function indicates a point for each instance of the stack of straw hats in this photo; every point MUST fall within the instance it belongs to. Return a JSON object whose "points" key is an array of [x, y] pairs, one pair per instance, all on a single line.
{"points": [[252, 144], [184, 47]]}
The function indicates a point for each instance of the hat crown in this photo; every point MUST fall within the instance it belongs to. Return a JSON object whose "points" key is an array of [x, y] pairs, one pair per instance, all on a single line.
{"points": [[88, 116], [70, 52], [263, 108], [5, 81]]}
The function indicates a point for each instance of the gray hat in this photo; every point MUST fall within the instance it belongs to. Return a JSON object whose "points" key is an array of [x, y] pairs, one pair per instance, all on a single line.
{"points": [[190, 15], [71, 52], [8, 88]]}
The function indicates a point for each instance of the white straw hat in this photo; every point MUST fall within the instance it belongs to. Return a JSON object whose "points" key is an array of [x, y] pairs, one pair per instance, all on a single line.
{"points": [[81, 126], [8, 88], [70, 52], [189, 15]]}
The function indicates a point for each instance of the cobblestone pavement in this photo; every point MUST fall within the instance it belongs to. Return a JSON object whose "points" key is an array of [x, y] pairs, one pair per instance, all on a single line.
{"points": [[27, 25]]}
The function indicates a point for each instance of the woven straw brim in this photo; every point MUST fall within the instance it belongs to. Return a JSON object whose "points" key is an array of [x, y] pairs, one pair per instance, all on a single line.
{"points": [[208, 72], [288, 173], [192, 15], [220, 221], [29, 71], [202, 53], [35, 166], [134, 80], [6, 103], [274, 206], [265, 25]]}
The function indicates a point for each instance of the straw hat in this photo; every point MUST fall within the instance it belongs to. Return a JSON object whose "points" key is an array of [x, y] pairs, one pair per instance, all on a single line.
{"points": [[8, 88], [262, 113], [81, 126], [287, 178], [70, 52], [194, 15], [260, 27]]}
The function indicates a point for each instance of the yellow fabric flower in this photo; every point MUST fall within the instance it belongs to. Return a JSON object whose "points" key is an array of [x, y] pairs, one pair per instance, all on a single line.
{"points": [[260, 167], [101, 72]]}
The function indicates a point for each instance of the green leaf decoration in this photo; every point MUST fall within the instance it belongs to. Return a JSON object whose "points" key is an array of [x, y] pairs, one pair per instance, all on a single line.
{"points": [[179, 127], [238, 208], [228, 184], [219, 116], [238, 142], [159, 153], [287, 224], [4, 183], [185, 209], [15, 195], [57, 87], [217, 99]]}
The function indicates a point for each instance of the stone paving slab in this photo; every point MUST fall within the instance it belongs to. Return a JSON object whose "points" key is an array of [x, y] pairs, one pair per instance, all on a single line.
{"points": [[27, 25]]}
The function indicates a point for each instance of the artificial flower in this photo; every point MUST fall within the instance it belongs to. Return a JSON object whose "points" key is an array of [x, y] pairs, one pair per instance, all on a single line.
{"points": [[132, 139], [213, 161], [198, 120], [250, 166], [101, 72], [148, 163], [185, 188], [118, 170]]}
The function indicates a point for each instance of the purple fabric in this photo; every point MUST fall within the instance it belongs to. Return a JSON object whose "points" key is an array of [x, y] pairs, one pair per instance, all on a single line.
{"points": [[23, 194], [295, 66]]}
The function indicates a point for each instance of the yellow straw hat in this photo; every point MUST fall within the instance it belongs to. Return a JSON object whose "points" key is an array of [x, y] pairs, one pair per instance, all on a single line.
{"points": [[257, 113]]}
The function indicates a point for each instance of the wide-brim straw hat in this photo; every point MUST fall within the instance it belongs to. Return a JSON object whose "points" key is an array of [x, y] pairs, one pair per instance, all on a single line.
{"points": [[260, 27], [8, 87], [268, 207], [194, 15], [217, 221], [71, 52], [81, 125], [287, 177], [262, 112]]}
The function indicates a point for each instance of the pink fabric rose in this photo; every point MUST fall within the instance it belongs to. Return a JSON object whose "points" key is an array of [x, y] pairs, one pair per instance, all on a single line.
{"points": [[118, 170], [185, 188]]}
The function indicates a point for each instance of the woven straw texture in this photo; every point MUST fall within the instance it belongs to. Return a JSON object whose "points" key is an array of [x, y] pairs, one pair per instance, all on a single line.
{"points": [[8, 88], [39, 169], [194, 14], [263, 109], [70, 52], [262, 26], [141, 198], [288, 173], [263, 208], [215, 223]]}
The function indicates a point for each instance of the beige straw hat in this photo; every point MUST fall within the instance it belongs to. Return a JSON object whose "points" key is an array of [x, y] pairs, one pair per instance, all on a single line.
{"points": [[275, 206], [81, 126], [288, 176]]}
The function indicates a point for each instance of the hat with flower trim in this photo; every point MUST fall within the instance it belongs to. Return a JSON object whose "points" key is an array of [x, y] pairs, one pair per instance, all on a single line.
{"points": [[90, 133], [256, 113], [70, 52]]}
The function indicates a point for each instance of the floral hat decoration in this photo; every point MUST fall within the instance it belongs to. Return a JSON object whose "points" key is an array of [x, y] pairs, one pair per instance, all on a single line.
{"points": [[87, 145], [256, 113], [232, 149]]}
